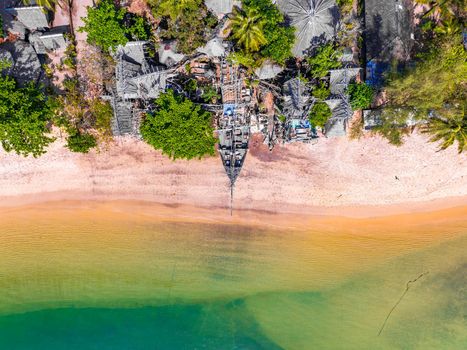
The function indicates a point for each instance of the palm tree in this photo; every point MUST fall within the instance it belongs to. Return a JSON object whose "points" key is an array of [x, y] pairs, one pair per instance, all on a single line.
{"points": [[448, 27], [247, 28], [47, 4], [448, 130]]}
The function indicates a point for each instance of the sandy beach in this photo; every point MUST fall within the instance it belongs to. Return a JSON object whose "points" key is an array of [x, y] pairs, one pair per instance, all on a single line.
{"points": [[336, 176]]}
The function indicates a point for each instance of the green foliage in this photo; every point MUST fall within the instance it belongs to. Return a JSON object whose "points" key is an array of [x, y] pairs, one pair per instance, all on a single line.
{"points": [[436, 84], [345, 5], [321, 92], [139, 28], [190, 86], [392, 126], [210, 94], [245, 59], [449, 131], [179, 128], [247, 28], [326, 58], [102, 112], [4, 64], [320, 114], [189, 27], [80, 142], [361, 95], [108, 26], [174, 8], [260, 32], [280, 41], [24, 118], [77, 114]]}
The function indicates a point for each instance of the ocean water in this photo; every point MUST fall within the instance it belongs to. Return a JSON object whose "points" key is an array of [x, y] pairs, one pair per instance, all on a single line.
{"points": [[82, 277]]}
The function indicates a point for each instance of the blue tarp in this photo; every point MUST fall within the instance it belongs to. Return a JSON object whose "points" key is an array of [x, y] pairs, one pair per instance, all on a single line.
{"points": [[229, 109], [375, 73]]}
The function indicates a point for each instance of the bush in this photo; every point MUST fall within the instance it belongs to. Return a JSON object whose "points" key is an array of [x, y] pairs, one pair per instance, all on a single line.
{"points": [[321, 92], [320, 114], [361, 95], [179, 128], [80, 142], [102, 112]]}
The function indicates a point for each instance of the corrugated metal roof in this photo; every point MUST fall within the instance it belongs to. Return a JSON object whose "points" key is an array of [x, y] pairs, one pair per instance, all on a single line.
{"points": [[312, 19], [340, 79], [33, 17], [221, 7]]}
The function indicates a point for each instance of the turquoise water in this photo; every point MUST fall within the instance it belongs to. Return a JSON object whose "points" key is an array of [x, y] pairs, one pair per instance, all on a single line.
{"points": [[96, 284], [203, 326]]}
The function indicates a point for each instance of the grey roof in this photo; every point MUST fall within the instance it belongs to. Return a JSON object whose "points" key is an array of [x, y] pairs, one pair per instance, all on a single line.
{"points": [[168, 54], [388, 28], [221, 7], [268, 70], [312, 19], [43, 42], [135, 77], [347, 55], [133, 51], [337, 124], [371, 119], [295, 97], [26, 65], [147, 86], [33, 17], [340, 79], [12, 25], [213, 48]]}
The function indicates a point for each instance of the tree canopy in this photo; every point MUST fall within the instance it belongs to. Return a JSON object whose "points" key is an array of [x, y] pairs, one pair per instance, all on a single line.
{"points": [[436, 84], [108, 26], [325, 58], [361, 95], [247, 28], [186, 21], [24, 118], [260, 32], [178, 127], [320, 114]]}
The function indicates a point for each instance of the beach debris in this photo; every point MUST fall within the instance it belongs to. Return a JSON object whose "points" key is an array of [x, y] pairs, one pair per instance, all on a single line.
{"points": [[407, 287]]}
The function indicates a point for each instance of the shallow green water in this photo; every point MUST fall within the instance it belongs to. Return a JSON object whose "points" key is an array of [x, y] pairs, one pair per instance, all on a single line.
{"points": [[186, 286]]}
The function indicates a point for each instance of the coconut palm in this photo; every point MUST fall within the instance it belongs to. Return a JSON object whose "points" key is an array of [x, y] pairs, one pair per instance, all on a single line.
{"points": [[448, 27], [247, 28], [449, 130], [47, 4]]}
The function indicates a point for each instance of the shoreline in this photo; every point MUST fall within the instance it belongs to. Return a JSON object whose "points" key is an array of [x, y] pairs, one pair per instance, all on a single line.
{"points": [[335, 177], [344, 211], [435, 211]]}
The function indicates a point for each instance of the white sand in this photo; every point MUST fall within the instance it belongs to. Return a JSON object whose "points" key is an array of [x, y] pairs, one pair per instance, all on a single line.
{"points": [[299, 178]]}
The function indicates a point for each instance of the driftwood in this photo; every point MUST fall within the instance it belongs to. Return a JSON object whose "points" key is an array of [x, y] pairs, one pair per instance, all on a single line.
{"points": [[407, 287]]}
